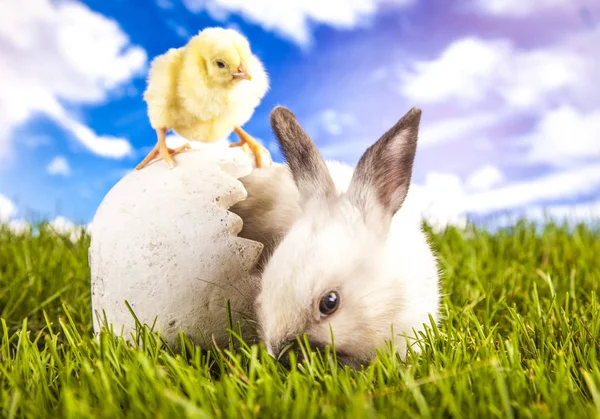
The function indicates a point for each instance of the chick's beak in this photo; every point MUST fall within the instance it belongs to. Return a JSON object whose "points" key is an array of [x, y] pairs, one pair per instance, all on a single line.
{"points": [[242, 74]]}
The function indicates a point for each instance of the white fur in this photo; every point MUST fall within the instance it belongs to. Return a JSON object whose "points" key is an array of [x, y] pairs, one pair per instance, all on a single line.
{"points": [[382, 282]]}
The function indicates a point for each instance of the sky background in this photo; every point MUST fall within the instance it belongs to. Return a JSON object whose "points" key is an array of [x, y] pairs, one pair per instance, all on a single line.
{"points": [[510, 93]]}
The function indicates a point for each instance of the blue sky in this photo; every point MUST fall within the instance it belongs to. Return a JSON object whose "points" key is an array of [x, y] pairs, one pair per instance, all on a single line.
{"points": [[509, 89]]}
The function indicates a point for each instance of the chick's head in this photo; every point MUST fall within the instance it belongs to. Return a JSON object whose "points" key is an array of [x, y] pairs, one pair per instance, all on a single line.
{"points": [[223, 55]]}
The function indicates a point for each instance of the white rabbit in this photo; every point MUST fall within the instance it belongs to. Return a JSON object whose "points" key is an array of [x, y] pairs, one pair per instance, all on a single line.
{"points": [[342, 254]]}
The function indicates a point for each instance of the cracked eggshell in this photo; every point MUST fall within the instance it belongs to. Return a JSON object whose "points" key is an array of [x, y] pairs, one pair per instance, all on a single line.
{"points": [[164, 241]]}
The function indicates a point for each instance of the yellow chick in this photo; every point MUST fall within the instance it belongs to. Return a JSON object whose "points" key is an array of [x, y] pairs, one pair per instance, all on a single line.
{"points": [[205, 90]]}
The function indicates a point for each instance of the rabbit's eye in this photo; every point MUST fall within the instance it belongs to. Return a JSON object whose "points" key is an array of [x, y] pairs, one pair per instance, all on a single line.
{"points": [[220, 64], [329, 303]]}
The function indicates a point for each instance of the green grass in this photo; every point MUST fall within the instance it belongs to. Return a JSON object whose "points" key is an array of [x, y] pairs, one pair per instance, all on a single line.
{"points": [[520, 338]]}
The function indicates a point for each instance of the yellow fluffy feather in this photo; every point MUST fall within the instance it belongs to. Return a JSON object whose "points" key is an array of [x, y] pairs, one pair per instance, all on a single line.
{"points": [[205, 90]]}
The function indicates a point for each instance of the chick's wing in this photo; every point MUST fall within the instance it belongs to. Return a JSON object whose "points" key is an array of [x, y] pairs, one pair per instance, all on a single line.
{"points": [[161, 92]]}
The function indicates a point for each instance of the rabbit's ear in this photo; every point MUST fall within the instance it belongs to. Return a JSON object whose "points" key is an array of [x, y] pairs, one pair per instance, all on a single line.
{"points": [[384, 171], [302, 156]]}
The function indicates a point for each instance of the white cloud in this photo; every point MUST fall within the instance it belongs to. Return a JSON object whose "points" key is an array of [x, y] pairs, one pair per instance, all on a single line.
{"points": [[439, 200], [584, 212], [484, 178], [588, 211], [59, 166], [458, 127], [565, 136], [104, 146], [444, 199], [334, 122], [292, 18], [63, 226], [557, 186], [60, 225], [431, 133], [346, 150], [454, 75], [549, 85], [517, 8], [19, 226], [7, 208], [61, 52], [520, 79]]}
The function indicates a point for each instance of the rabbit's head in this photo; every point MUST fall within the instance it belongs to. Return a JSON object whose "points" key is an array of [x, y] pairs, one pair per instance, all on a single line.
{"points": [[335, 272]]}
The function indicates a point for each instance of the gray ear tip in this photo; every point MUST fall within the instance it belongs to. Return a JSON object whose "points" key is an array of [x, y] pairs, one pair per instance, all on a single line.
{"points": [[414, 115], [280, 113]]}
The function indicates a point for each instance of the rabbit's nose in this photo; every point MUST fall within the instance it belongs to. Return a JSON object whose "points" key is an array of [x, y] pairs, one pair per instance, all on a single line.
{"points": [[285, 361], [285, 349]]}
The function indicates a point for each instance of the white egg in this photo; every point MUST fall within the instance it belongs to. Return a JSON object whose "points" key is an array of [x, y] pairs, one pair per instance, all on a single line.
{"points": [[164, 241]]}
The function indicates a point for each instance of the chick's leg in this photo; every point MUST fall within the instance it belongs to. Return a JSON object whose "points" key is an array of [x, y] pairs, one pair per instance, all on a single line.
{"points": [[261, 154], [161, 149]]}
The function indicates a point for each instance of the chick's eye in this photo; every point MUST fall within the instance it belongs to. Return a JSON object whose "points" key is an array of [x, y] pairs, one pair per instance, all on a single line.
{"points": [[220, 64], [329, 303]]}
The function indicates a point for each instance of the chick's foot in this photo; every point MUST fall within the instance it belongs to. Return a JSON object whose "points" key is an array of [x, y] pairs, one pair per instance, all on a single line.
{"points": [[161, 149], [261, 154], [165, 155]]}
